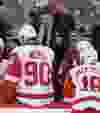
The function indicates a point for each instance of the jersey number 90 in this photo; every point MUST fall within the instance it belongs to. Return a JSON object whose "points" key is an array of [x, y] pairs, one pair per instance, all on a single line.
{"points": [[38, 72]]}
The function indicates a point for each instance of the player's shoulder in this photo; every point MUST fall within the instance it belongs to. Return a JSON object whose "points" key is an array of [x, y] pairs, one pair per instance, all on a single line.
{"points": [[29, 48], [50, 51], [22, 49], [17, 49], [46, 49]]}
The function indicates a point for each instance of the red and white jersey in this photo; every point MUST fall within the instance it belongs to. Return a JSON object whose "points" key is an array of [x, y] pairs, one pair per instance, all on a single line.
{"points": [[29, 66], [86, 79]]}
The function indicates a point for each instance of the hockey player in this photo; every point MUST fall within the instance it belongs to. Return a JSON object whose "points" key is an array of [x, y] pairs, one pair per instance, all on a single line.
{"points": [[84, 53], [28, 69], [84, 76]]}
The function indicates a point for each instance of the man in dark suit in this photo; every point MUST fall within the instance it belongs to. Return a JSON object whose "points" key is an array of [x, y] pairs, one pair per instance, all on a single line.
{"points": [[63, 24]]}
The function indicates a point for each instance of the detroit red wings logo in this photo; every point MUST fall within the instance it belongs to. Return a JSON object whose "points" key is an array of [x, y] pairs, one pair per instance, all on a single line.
{"points": [[86, 78]]}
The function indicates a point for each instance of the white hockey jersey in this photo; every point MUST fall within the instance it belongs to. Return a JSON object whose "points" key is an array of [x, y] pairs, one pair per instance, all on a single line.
{"points": [[86, 79], [29, 67]]}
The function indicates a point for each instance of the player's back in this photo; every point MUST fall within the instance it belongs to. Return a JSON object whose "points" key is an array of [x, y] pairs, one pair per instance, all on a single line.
{"points": [[33, 64]]}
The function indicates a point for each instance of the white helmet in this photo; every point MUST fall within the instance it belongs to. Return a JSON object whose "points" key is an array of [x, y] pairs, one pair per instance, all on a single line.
{"points": [[27, 32]]}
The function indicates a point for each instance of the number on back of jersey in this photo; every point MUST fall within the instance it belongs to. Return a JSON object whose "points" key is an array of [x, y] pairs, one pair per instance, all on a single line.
{"points": [[38, 72]]}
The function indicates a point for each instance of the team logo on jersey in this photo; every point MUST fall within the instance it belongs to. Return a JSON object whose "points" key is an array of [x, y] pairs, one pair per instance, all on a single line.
{"points": [[86, 78]]}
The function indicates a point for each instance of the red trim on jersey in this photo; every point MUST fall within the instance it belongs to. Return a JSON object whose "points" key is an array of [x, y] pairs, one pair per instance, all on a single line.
{"points": [[30, 106], [86, 98], [14, 69], [12, 73], [36, 96], [53, 105], [87, 110], [60, 104]]}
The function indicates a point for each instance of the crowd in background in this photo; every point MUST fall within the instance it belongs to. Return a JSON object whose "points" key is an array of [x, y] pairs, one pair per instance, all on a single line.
{"points": [[46, 25]]}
